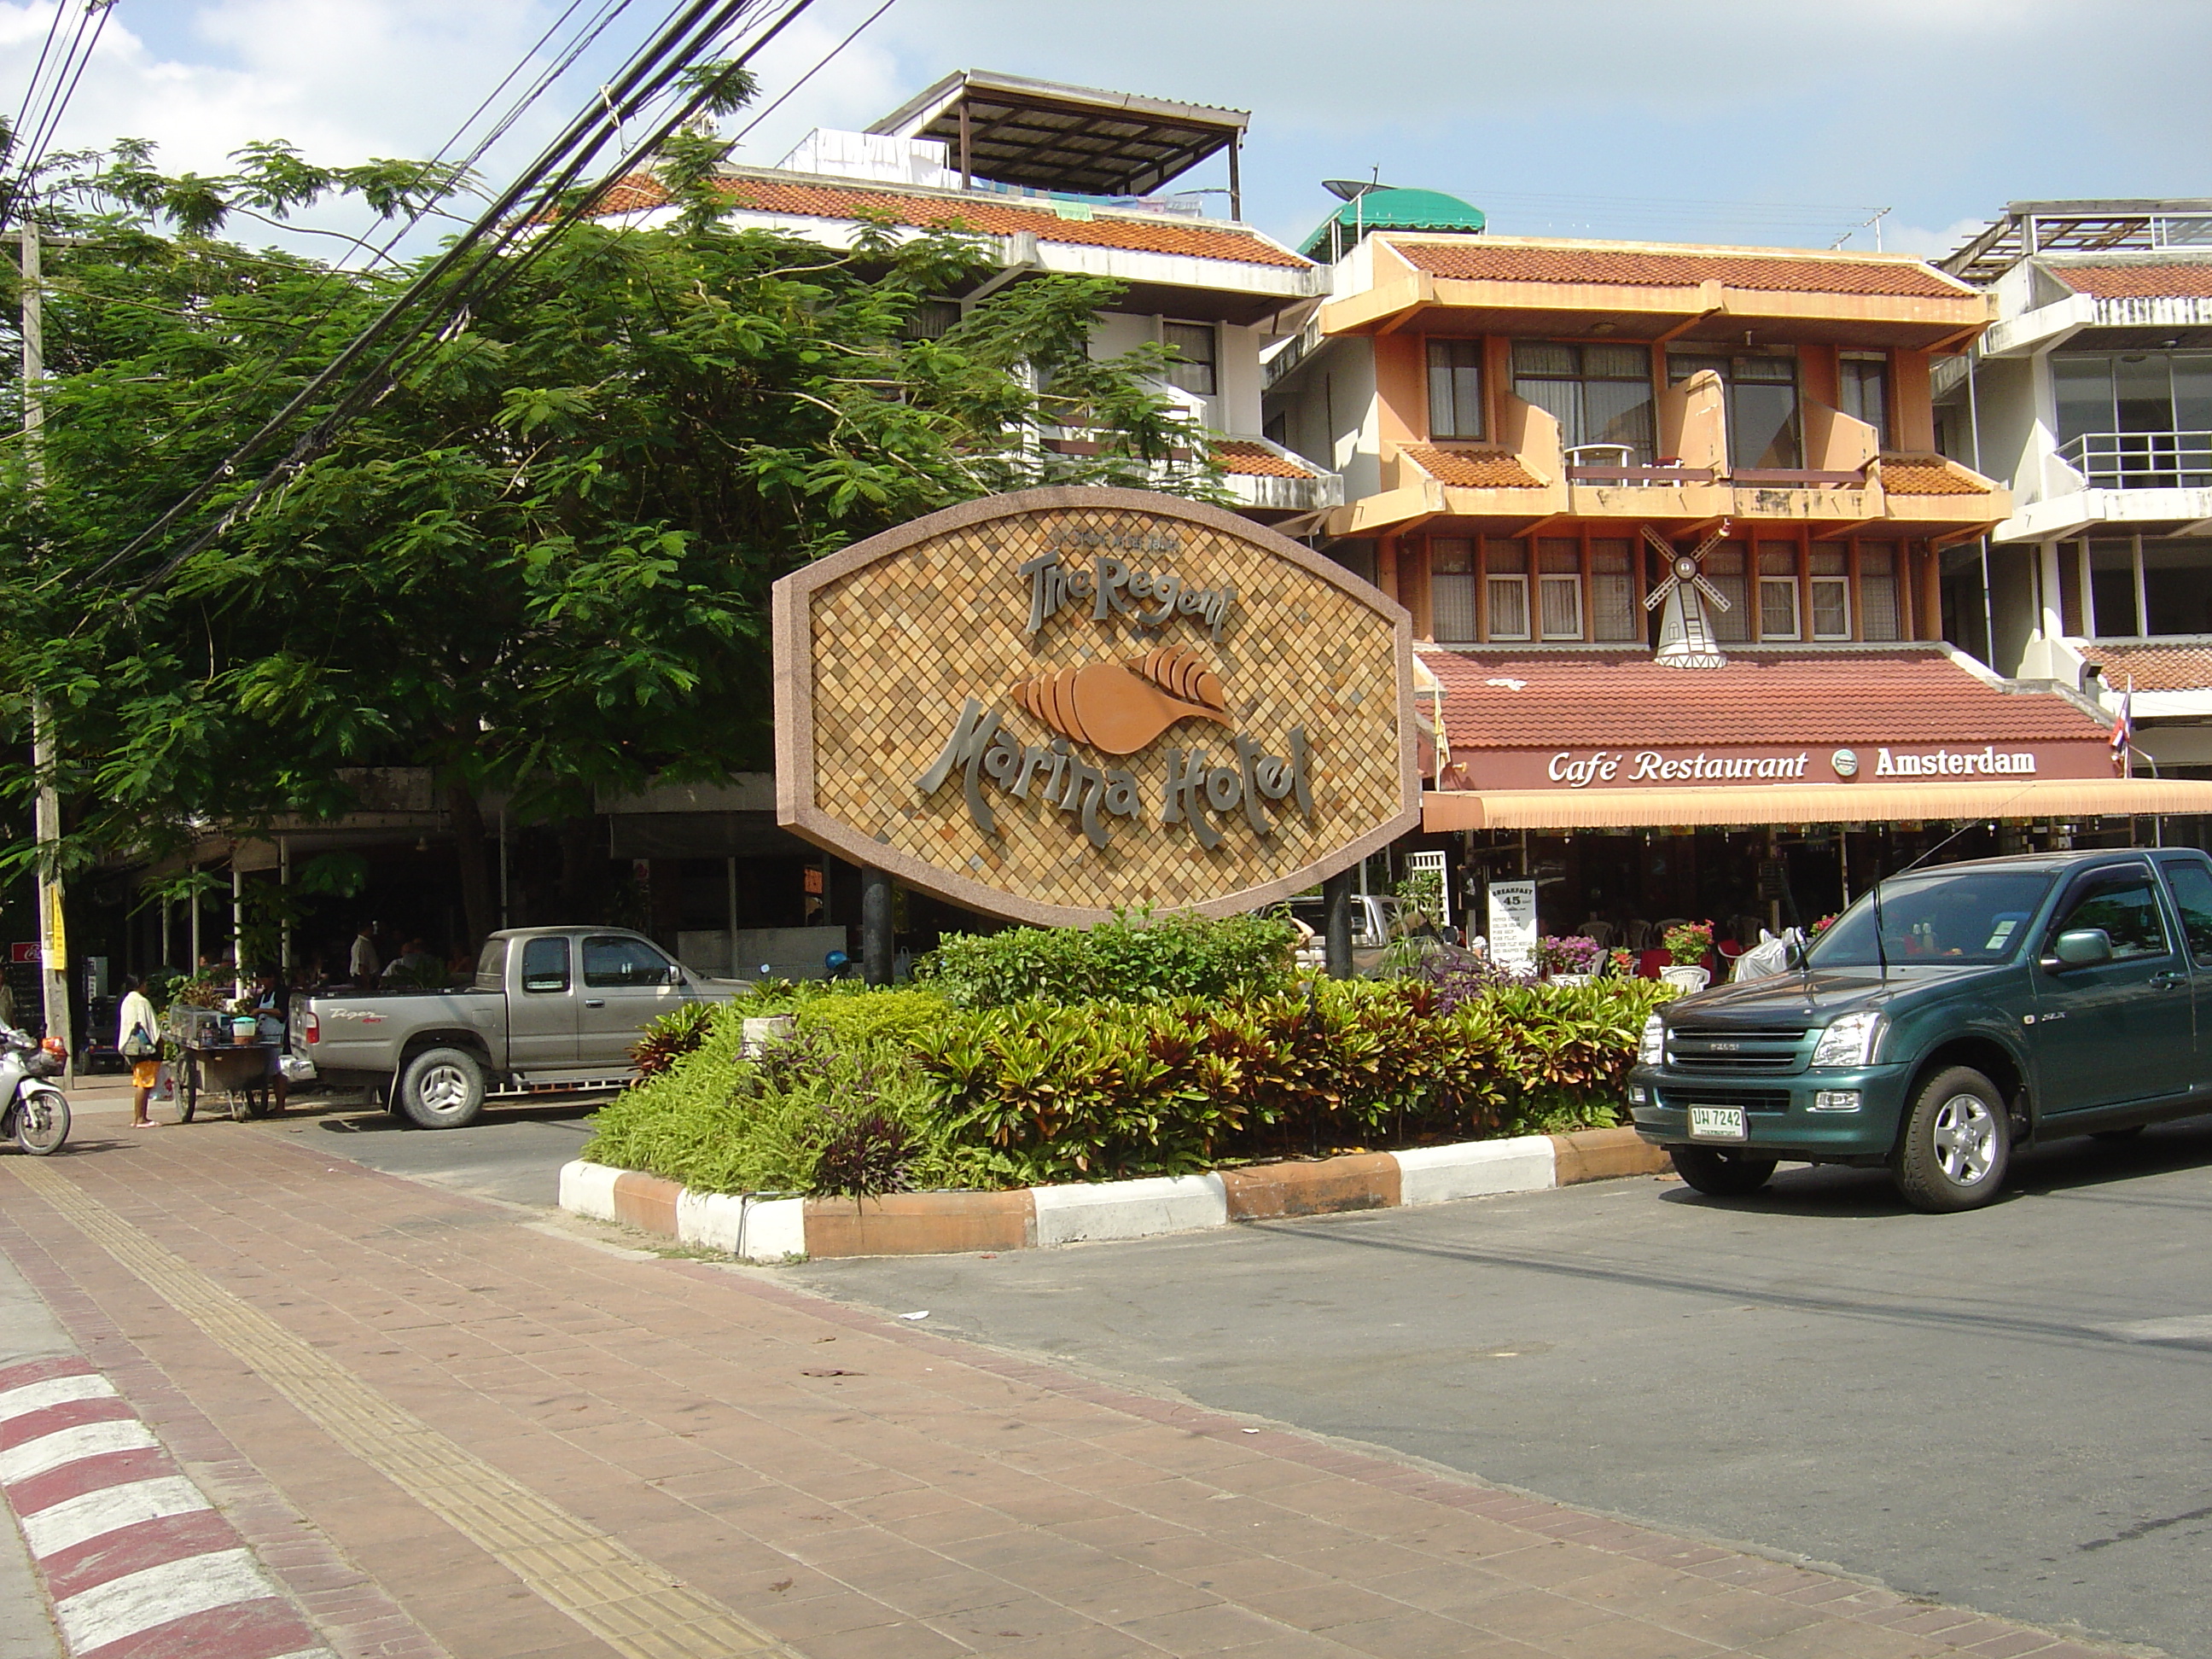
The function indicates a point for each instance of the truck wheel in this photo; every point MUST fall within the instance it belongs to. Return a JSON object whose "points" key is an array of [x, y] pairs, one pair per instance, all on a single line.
{"points": [[441, 1089], [1721, 1175], [1956, 1145]]}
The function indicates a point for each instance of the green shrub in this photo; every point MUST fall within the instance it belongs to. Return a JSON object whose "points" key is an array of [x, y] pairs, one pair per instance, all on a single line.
{"points": [[1132, 959], [902, 1016], [666, 1040], [720, 1123]]}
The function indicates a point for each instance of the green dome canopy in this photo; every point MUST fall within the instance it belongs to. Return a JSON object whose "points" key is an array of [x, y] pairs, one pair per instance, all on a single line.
{"points": [[1390, 209]]}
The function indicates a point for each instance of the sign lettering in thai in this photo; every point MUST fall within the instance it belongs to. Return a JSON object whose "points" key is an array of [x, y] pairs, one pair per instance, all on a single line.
{"points": [[1054, 705]]}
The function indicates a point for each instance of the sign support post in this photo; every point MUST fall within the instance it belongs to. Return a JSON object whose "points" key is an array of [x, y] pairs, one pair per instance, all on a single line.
{"points": [[1336, 936], [877, 938]]}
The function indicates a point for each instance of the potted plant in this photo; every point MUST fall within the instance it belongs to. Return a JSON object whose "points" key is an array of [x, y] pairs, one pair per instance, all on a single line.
{"points": [[1688, 944], [1569, 960], [1623, 963]]}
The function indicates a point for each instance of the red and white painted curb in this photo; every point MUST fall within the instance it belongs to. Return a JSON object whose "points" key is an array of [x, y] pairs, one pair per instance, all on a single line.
{"points": [[138, 1563], [757, 1229]]}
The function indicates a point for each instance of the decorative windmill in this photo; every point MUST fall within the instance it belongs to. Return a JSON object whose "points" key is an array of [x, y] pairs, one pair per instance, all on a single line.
{"points": [[1685, 637]]}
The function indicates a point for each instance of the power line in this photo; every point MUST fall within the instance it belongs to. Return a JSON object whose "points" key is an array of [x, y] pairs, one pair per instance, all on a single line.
{"points": [[504, 223]]}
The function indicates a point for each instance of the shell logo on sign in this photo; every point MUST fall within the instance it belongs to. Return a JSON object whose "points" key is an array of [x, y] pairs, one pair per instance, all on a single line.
{"points": [[1053, 705]]}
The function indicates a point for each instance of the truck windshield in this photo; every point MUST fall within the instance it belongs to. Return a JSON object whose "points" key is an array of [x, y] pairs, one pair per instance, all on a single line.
{"points": [[1951, 916]]}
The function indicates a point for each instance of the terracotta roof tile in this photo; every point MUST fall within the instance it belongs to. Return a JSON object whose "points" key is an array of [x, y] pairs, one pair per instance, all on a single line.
{"points": [[1925, 475], [1623, 700], [985, 217], [2190, 281], [1504, 262], [1253, 460], [1472, 469], [2154, 667]]}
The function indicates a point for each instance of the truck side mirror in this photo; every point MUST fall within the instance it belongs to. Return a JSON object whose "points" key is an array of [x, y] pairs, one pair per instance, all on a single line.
{"points": [[2079, 947], [675, 974]]}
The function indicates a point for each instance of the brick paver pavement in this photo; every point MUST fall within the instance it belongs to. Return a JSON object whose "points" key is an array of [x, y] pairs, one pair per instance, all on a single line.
{"points": [[831, 1482]]}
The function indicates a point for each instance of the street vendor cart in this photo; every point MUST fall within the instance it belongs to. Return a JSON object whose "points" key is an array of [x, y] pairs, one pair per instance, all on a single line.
{"points": [[240, 1071]]}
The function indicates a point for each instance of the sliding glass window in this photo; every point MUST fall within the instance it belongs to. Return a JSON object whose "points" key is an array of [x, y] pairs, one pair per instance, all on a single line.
{"points": [[2138, 420], [1862, 390], [1762, 403], [1599, 394], [1456, 389]]}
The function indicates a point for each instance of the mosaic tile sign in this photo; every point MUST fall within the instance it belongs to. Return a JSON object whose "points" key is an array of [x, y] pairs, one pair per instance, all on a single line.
{"points": [[1052, 705]]}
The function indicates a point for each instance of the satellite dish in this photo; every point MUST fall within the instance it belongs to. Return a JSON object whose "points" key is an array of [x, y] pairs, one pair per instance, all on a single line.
{"points": [[1351, 189]]}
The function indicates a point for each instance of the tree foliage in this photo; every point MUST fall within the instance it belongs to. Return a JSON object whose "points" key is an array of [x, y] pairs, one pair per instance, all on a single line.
{"points": [[541, 564]]}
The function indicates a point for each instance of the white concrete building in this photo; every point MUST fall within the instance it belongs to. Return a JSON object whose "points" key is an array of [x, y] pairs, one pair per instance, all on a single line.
{"points": [[2091, 395], [1067, 181]]}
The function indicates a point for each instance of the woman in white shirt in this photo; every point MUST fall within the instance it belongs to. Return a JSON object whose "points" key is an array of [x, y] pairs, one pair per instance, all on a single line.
{"points": [[138, 1037]]}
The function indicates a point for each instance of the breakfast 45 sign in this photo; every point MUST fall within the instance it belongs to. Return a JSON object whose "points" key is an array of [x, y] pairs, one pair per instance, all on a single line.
{"points": [[1052, 705]]}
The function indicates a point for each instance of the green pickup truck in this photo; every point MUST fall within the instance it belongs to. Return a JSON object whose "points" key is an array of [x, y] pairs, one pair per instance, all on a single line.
{"points": [[1956, 1013]]}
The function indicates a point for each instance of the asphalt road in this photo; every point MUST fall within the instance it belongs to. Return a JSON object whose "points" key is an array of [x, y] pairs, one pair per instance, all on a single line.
{"points": [[512, 1154], [2006, 1409]]}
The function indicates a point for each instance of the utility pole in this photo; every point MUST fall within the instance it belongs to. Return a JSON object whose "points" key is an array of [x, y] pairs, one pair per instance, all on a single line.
{"points": [[53, 942]]}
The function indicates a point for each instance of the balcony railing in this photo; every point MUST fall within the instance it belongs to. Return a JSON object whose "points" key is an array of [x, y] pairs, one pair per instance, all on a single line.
{"points": [[2140, 460]]}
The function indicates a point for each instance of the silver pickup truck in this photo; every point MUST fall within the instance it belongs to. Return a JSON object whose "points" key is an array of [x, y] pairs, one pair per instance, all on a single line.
{"points": [[552, 1009]]}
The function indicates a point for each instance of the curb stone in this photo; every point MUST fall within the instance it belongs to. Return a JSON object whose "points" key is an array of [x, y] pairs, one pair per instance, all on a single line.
{"points": [[777, 1229]]}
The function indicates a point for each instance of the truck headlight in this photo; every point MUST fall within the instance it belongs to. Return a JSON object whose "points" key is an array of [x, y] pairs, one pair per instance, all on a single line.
{"points": [[1652, 1047], [1849, 1041]]}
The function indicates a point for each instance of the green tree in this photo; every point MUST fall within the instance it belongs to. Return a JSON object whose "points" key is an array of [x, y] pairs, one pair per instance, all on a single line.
{"points": [[541, 565]]}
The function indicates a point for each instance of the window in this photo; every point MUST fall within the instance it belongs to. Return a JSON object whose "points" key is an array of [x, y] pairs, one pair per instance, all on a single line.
{"points": [[2192, 895], [1599, 394], [611, 960], [2073, 619], [1451, 588], [1879, 610], [1862, 390], [1777, 591], [1724, 568], [1505, 589], [931, 319], [545, 964], [2112, 589], [2177, 585], [2135, 420], [1978, 917], [1830, 585], [2123, 903], [1559, 588], [1615, 616], [1357, 556], [1456, 389], [491, 966], [1196, 345], [1762, 403]]}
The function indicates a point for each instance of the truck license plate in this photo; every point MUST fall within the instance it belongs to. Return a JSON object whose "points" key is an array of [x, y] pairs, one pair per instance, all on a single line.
{"points": [[1717, 1122]]}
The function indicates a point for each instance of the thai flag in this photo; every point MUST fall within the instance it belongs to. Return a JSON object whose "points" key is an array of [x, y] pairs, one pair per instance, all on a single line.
{"points": [[2123, 726]]}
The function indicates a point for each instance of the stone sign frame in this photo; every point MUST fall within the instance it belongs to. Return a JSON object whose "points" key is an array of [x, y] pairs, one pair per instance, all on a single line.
{"points": [[796, 752]]}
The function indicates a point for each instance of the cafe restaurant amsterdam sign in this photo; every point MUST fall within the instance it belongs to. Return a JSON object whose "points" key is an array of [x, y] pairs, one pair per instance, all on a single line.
{"points": [[1052, 705]]}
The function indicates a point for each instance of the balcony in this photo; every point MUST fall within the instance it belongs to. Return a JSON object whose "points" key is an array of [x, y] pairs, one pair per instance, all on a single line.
{"points": [[1263, 479], [2140, 460]]}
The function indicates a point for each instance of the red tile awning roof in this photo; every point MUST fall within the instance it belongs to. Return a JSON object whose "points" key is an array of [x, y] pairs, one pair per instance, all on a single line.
{"points": [[1624, 699], [2184, 281], [807, 199], [1472, 469], [1925, 475], [1504, 262], [1251, 460], [2154, 667]]}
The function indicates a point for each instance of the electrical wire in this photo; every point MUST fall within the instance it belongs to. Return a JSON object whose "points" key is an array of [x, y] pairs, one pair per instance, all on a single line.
{"points": [[507, 220], [31, 151], [745, 131]]}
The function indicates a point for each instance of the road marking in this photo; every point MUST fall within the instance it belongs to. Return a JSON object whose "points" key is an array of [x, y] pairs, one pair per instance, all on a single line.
{"points": [[175, 1589], [2188, 1327], [54, 1391], [636, 1609], [76, 1520], [50, 1451]]}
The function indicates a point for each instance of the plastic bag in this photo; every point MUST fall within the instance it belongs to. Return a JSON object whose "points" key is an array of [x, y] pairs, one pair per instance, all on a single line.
{"points": [[1770, 956], [295, 1070], [165, 1082]]}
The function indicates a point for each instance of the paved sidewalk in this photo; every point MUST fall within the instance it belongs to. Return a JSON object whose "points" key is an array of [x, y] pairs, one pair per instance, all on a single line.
{"points": [[454, 1432]]}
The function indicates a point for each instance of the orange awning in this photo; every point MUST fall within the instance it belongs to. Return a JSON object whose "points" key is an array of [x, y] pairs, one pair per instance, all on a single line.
{"points": [[1809, 803]]}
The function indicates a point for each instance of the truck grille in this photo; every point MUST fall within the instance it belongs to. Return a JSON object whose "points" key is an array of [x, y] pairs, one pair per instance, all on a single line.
{"points": [[1735, 1048], [1751, 1100]]}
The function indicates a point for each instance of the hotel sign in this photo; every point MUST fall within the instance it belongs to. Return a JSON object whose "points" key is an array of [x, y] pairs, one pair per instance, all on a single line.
{"points": [[1052, 705]]}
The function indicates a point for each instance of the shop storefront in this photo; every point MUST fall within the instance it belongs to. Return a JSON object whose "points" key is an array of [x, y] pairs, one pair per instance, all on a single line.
{"points": [[1771, 788]]}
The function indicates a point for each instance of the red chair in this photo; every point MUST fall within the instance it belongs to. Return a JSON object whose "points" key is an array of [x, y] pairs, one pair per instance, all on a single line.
{"points": [[1648, 964]]}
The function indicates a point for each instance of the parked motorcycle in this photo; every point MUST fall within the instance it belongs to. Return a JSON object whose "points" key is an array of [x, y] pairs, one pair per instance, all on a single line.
{"points": [[34, 1112]]}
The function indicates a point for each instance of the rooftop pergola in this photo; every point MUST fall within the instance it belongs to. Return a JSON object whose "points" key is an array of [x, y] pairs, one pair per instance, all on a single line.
{"points": [[2028, 228], [1042, 136]]}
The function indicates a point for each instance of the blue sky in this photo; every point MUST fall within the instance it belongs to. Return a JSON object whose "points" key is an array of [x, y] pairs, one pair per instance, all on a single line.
{"points": [[1779, 121]]}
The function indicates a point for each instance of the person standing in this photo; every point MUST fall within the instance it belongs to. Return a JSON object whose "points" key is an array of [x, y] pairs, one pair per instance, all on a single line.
{"points": [[364, 964], [138, 1040]]}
